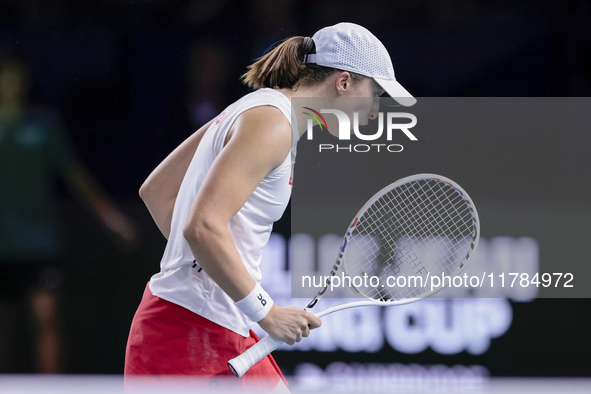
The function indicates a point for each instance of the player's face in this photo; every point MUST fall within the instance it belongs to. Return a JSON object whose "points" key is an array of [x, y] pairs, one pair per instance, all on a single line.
{"points": [[361, 97], [359, 100], [368, 105]]}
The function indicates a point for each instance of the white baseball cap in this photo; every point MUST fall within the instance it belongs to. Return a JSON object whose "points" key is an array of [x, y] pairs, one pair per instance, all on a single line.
{"points": [[350, 47]]}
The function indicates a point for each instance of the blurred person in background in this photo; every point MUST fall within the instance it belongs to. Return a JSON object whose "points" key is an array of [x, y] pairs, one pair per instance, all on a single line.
{"points": [[207, 81], [34, 153]]}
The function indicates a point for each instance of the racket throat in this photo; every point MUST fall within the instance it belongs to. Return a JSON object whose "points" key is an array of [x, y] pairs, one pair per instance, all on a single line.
{"points": [[311, 304], [319, 295]]}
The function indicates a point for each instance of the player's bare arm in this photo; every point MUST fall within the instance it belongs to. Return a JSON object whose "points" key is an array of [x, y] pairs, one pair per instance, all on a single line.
{"points": [[258, 142], [160, 189]]}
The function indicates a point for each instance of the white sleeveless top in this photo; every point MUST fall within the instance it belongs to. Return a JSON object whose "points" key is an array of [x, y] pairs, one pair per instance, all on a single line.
{"points": [[181, 279]]}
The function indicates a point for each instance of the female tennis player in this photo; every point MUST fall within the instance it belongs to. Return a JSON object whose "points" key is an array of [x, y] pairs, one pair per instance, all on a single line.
{"points": [[215, 199]]}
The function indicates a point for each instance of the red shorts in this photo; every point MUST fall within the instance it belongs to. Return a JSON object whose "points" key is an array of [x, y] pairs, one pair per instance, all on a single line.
{"points": [[167, 339]]}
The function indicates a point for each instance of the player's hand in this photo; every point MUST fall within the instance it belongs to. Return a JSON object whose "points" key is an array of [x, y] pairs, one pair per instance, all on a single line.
{"points": [[289, 324]]}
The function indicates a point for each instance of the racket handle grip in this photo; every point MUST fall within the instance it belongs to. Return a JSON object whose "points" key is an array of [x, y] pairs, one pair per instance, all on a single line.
{"points": [[239, 365]]}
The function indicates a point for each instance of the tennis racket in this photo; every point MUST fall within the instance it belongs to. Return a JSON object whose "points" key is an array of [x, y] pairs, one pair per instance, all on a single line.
{"points": [[418, 227]]}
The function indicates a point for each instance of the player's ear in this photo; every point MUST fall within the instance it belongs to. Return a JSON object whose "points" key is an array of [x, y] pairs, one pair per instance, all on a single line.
{"points": [[343, 82]]}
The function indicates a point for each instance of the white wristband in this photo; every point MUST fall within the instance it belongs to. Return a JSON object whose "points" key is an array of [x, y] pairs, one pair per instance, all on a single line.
{"points": [[256, 304]]}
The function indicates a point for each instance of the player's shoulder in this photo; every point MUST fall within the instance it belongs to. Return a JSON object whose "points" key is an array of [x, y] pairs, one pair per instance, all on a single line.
{"points": [[268, 102], [267, 115], [267, 128], [263, 121], [262, 131]]}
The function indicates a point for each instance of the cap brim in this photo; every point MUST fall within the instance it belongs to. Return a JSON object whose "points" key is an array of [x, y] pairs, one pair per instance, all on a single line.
{"points": [[396, 91]]}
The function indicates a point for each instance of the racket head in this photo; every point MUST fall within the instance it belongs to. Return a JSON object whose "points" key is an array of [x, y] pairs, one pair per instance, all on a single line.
{"points": [[418, 226]]}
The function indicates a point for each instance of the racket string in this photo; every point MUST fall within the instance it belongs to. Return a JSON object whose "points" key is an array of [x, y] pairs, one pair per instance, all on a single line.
{"points": [[404, 229], [416, 229]]}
